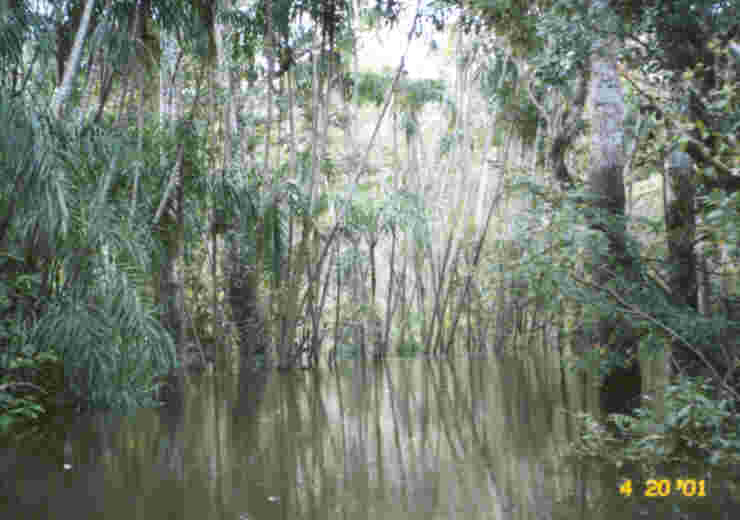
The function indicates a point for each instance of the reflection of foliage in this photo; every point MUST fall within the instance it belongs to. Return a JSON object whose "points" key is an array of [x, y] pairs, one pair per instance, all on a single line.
{"points": [[410, 348], [447, 143], [347, 351]]}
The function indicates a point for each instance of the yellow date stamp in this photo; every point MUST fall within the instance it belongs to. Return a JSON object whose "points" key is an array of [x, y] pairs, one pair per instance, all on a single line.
{"points": [[667, 487]]}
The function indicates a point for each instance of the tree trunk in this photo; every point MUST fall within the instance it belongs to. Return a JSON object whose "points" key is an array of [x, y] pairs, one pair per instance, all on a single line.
{"points": [[679, 193], [73, 62], [171, 284], [621, 387], [243, 291], [169, 218]]}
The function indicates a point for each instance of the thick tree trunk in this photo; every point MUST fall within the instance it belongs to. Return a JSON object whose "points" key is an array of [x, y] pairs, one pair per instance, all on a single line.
{"points": [[243, 292], [605, 177], [679, 193], [621, 388]]}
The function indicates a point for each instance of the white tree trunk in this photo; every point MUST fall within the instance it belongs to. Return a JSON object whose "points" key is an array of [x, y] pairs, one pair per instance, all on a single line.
{"points": [[73, 62]]}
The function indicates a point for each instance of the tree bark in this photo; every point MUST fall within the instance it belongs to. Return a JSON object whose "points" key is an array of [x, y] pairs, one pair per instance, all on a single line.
{"points": [[169, 221], [679, 193], [621, 387], [243, 294]]}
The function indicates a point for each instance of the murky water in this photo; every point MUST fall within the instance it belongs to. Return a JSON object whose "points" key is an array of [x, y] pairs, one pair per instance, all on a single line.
{"points": [[407, 439]]}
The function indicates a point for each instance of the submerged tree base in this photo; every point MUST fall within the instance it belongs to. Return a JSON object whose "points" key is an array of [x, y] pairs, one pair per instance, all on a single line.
{"points": [[621, 388]]}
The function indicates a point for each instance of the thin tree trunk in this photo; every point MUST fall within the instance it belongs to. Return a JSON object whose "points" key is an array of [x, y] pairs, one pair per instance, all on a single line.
{"points": [[169, 221], [290, 284], [223, 116], [314, 278], [389, 298], [73, 62]]}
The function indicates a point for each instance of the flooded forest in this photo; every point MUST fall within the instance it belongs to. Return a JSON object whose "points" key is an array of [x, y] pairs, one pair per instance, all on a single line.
{"points": [[369, 258]]}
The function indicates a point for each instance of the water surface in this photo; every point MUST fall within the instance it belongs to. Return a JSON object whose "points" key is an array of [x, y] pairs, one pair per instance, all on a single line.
{"points": [[405, 439]]}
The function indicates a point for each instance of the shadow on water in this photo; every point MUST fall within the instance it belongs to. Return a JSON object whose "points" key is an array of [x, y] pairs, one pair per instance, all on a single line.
{"points": [[403, 439]]}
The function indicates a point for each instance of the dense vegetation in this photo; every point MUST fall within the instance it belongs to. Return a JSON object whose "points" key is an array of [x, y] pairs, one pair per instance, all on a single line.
{"points": [[184, 181]]}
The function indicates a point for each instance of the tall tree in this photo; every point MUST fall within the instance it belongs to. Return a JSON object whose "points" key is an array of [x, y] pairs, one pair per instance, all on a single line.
{"points": [[606, 189]]}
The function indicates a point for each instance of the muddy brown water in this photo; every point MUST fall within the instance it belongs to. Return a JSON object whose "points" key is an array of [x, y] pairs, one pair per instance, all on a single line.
{"points": [[404, 439]]}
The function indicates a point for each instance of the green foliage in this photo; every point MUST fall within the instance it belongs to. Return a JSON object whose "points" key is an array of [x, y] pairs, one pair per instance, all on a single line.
{"points": [[512, 19], [696, 423], [291, 35], [13, 27], [419, 92], [347, 351], [677, 63], [22, 402], [447, 143], [410, 348], [254, 219], [569, 27], [507, 97], [383, 11], [369, 210], [371, 87], [410, 345], [557, 237], [413, 95], [75, 264], [112, 346], [17, 410], [722, 218]]}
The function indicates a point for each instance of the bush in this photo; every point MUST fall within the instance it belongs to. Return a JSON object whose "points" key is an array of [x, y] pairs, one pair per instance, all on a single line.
{"points": [[698, 424], [111, 345]]}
